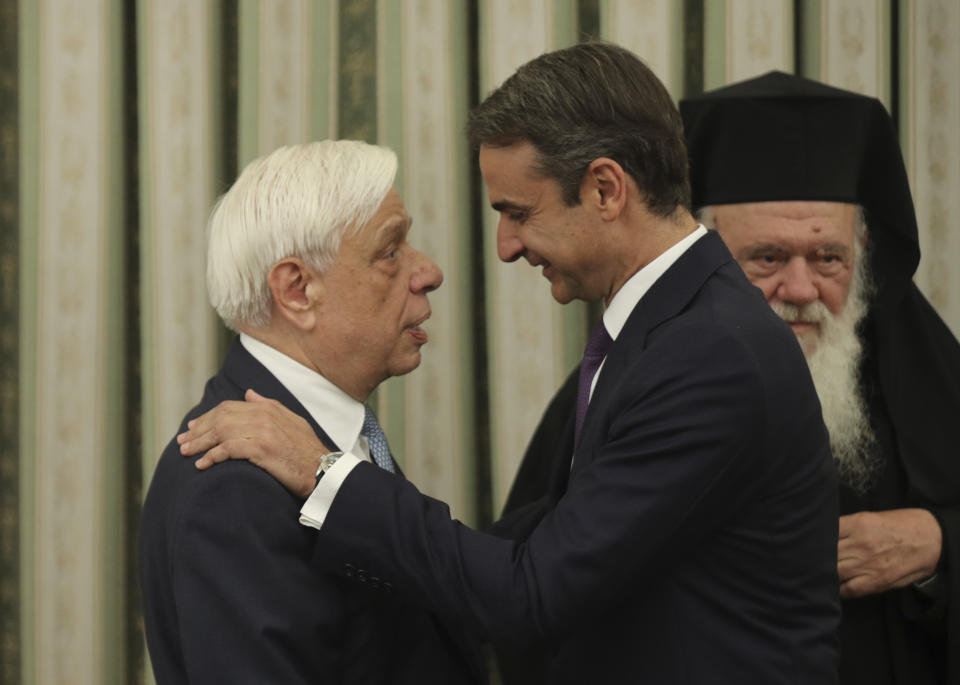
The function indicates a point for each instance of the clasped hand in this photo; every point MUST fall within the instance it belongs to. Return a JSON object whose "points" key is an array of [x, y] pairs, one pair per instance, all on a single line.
{"points": [[883, 550]]}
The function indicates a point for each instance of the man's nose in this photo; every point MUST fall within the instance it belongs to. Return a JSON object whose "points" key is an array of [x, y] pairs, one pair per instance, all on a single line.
{"points": [[427, 276], [797, 283], [509, 247]]}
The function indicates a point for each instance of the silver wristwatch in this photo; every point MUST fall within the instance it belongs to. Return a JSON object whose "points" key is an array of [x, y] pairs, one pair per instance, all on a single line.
{"points": [[326, 461]]}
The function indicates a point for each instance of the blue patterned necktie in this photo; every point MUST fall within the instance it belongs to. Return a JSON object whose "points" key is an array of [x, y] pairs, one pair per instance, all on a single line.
{"points": [[597, 347], [379, 449]]}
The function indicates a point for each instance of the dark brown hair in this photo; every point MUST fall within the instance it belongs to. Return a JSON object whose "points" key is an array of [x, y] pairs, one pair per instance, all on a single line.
{"points": [[584, 102]]}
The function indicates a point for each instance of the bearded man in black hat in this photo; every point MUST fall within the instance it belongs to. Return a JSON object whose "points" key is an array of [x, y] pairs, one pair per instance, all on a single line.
{"points": [[806, 185]]}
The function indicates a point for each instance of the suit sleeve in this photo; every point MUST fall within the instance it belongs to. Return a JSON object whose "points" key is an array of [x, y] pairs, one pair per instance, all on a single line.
{"points": [[674, 462], [249, 604]]}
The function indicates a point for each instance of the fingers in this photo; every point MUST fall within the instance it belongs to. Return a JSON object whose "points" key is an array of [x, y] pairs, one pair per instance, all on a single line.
{"points": [[201, 438], [193, 443], [205, 421], [847, 525], [243, 432], [212, 456], [859, 586], [229, 419], [848, 568], [849, 550], [243, 448], [297, 474], [252, 395], [863, 571], [262, 431], [871, 582], [860, 576]]}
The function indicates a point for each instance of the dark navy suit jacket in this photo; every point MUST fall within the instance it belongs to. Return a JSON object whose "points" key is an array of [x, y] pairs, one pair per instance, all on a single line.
{"points": [[695, 538], [231, 592]]}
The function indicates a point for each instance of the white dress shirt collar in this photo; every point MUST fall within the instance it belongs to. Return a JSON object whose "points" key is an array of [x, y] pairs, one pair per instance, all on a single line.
{"points": [[626, 299], [340, 415]]}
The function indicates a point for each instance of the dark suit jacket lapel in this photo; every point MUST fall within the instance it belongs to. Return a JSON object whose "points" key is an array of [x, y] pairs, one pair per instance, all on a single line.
{"points": [[561, 472], [667, 297]]}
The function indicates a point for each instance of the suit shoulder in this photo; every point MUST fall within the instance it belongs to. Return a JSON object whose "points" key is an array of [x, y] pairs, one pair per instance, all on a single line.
{"points": [[239, 491], [703, 343], [232, 490]]}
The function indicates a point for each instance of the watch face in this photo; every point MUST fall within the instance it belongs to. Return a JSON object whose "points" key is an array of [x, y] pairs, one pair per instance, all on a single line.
{"points": [[326, 461], [329, 460]]}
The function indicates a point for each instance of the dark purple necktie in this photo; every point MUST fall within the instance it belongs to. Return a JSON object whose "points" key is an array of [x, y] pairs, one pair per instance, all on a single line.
{"points": [[597, 347]]}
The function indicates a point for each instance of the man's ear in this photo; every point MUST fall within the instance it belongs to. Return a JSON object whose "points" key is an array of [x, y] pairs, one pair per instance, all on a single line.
{"points": [[293, 289], [605, 186]]}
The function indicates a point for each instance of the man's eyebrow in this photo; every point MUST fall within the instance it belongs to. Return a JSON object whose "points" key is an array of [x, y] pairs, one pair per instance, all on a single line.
{"points": [[773, 248], [762, 248], [507, 206], [838, 248], [394, 228]]}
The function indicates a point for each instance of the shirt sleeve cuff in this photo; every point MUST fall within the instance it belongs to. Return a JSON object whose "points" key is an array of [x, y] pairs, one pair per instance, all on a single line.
{"points": [[315, 509]]}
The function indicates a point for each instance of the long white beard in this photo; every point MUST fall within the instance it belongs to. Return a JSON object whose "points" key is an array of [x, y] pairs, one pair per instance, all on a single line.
{"points": [[833, 351]]}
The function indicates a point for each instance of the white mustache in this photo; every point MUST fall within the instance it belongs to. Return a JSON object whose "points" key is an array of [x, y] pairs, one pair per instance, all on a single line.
{"points": [[814, 312]]}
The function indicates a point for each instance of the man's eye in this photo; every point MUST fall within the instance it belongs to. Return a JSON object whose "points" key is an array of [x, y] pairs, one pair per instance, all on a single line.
{"points": [[762, 264], [767, 260], [519, 217], [391, 252], [829, 264]]}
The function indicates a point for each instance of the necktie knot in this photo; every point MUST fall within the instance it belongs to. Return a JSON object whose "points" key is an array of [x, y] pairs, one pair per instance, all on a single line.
{"points": [[593, 355], [379, 450]]}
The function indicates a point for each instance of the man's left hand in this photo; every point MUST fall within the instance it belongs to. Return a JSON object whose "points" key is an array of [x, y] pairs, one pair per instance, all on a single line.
{"points": [[883, 550]]}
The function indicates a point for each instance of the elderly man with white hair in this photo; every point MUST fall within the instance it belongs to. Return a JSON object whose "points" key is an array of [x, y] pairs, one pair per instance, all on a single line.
{"points": [[308, 261]]}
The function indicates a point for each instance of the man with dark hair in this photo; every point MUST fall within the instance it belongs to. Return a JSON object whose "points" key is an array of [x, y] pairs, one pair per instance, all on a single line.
{"points": [[577, 105], [691, 536], [806, 185]]}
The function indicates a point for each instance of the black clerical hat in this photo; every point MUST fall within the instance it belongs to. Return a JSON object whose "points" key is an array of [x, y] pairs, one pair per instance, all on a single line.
{"points": [[784, 137]]}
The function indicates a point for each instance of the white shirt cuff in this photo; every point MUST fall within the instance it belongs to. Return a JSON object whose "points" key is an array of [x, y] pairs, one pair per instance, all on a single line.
{"points": [[315, 509]]}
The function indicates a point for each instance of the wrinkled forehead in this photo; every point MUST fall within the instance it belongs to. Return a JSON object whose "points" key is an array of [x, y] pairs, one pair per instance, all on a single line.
{"points": [[792, 209], [786, 221]]}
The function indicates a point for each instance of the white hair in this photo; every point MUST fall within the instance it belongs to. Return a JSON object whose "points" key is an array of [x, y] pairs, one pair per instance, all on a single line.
{"points": [[298, 201]]}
